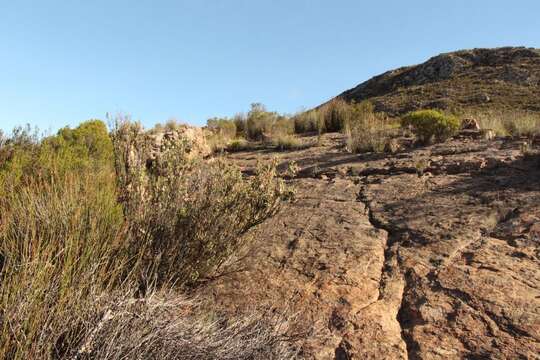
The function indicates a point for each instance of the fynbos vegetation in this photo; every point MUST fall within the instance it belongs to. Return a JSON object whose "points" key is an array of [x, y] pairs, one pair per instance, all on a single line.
{"points": [[82, 247]]}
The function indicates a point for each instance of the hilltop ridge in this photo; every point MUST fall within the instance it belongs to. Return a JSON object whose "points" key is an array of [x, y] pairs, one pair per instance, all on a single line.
{"points": [[507, 77]]}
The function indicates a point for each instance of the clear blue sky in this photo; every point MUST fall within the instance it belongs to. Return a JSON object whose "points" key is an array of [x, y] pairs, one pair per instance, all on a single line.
{"points": [[62, 62]]}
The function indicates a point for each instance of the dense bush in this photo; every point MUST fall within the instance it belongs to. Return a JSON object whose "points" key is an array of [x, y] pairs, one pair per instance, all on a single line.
{"points": [[26, 154], [58, 226], [430, 125], [221, 132], [240, 123]]}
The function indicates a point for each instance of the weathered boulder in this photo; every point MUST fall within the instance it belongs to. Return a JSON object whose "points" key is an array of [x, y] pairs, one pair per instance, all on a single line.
{"points": [[191, 139]]}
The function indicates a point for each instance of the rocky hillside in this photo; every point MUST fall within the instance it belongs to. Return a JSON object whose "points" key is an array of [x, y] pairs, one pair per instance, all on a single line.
{"points": [[496, 78]]}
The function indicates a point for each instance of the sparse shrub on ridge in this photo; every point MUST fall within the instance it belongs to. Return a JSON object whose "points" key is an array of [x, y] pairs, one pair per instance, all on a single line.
{"points": [[431, 125], [259, 121], [240, 123], [223, 126]]}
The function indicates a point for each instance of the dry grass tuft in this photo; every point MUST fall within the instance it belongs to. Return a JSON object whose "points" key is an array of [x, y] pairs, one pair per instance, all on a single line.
{"points": [[514, 123], [366, 130], [171, 327]]}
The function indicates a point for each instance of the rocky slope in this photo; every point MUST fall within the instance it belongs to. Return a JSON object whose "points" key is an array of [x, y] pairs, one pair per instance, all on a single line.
{"points": [[502, 77], [431, 253]]}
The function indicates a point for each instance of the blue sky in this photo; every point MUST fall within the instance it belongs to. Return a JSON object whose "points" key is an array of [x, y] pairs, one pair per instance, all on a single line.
{"points": [[62, 62]]}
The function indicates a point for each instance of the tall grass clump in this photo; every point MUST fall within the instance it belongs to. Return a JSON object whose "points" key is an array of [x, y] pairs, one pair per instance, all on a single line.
{"points": [[516, 123], [59, 223], [431, 125], [335, 114], [366, 131], [308, 121]]}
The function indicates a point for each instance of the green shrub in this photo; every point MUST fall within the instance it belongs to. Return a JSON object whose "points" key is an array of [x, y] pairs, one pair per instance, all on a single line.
{"points": [[429, 125], [26, 155]]}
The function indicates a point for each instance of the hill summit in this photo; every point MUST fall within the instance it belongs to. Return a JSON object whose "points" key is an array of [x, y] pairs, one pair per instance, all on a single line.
{"points": [[507, 77]]}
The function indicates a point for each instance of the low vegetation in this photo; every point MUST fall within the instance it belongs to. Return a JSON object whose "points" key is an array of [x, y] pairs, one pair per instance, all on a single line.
{"points": [[431, 125], [98, 241], [366, 130]]}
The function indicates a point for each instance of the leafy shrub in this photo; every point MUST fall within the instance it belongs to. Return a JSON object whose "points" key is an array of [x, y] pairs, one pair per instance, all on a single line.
{"points": [[366, 130], [186, 217], [26, 154], [429, 125]]}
